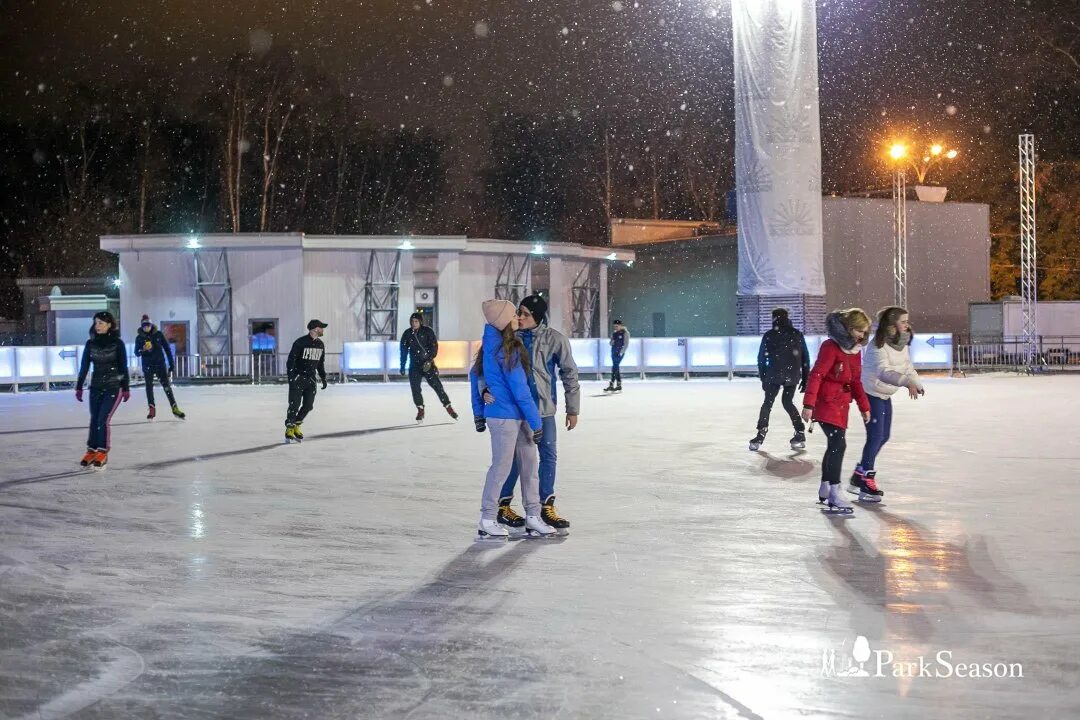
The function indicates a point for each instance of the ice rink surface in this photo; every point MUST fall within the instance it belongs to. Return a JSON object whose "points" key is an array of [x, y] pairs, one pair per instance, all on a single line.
{"points": [[213, 572]]}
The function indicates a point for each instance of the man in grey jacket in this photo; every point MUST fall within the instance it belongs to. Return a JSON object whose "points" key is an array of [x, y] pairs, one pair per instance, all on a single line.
{"points": [[549, 353]]}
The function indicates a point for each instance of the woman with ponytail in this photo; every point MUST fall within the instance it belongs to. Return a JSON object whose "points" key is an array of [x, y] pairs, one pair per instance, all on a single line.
{"points": [[887, 367], [109, 384]]}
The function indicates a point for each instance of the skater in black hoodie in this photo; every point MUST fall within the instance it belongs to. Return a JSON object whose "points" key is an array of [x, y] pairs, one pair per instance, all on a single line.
{"points": [[153, 349], [108, 385], [420, 347], [783, 363], [306, 359]]}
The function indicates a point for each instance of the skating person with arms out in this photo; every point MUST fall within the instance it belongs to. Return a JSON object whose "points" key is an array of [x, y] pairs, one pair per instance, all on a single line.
{"points": [[420, 346], [549, 353], [835, 380], [157, 362], [511, 418], [620, 341], [306, 360], [783, 364], [886, 368], [109, 384]]}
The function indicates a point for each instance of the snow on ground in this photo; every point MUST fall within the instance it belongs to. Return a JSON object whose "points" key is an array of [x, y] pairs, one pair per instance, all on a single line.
{"points": [[212, 572]]}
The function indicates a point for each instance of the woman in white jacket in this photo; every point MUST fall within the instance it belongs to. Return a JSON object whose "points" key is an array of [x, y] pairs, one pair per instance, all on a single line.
{"points": [[886, 367]]}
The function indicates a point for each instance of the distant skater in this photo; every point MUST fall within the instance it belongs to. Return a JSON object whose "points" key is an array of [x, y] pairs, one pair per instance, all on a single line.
{"points": [[420, 347], [153, 350], [620, 341], [783, 364], [109, 384], [306, 360]]}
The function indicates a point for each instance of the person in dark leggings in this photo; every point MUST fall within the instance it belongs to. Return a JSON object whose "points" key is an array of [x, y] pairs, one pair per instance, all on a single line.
{"points": [[783, 364], [109, 384], [420, 347], [835, 380], [620, 341], [157, 361]]}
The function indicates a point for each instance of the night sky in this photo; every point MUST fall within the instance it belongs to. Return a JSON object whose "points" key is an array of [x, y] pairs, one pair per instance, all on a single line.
{"points": [[450, 66]]}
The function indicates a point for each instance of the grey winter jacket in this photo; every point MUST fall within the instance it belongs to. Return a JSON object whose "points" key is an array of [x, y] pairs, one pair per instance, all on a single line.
{"points": [[551, 353]]}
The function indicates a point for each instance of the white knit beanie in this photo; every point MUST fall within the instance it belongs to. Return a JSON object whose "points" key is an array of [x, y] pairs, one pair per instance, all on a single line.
{"points": [[499, 313]]}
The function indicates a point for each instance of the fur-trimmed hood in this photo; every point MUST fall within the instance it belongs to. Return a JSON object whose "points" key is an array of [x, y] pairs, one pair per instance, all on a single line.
{"points": [[838, 332]]}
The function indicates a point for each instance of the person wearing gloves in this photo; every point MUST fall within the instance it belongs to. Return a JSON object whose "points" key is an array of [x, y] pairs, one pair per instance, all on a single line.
{"points": [[886, 368], [783, 362], [109, 384], [306, 359], [511, 419], [834, 381], [153, 349], [420, 347], [549, 353]]}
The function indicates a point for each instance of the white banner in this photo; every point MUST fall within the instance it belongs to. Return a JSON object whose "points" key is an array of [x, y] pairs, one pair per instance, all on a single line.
{"points": [[777, 147]]}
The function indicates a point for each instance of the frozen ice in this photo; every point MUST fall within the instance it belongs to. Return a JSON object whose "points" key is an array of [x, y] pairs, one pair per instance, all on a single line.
{"points": [[213, 572]]}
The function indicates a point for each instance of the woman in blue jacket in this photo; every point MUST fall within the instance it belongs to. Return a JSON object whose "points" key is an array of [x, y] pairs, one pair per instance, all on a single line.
{"points": [[512, 419]]}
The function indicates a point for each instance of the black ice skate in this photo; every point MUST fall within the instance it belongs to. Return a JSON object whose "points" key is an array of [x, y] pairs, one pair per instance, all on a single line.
{"points": [[798, 442], [420, 414], [610, 387], [758, 440], [551, 516], [865, 486], [507, 516]]}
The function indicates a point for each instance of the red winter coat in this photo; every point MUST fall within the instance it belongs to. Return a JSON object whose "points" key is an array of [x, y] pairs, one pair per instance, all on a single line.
{"points": [[834, 380]]}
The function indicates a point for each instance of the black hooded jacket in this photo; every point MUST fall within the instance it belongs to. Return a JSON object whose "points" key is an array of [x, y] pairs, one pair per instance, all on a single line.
{"points": [[420, 346], [159, 352], [108, 355], [783, 358]]}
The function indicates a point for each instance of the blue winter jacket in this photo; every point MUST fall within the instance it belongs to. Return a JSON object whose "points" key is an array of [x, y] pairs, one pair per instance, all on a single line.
{"points": [[510, 388]]}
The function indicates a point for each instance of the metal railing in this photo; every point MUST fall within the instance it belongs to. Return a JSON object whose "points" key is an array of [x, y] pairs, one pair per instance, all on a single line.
{"points": [[1054, 352], [253, 367]]}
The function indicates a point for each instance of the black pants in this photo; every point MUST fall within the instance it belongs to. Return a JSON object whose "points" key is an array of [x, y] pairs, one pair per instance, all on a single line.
{"points": [[103, 404], [432, 377], [163, 377], [785, 400], [616, 360], [301, 400], [833, 462]]}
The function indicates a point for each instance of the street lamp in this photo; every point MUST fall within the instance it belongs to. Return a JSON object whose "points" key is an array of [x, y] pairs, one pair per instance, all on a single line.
{"points": [[898, 153]]}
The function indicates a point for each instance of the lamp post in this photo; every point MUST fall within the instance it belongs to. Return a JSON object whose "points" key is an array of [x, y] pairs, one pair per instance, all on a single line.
{"points": [[898, 153]]}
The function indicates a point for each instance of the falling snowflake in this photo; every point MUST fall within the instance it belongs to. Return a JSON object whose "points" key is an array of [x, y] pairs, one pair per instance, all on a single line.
{"points": [[617, 6], [448, 80], [481, 29]]}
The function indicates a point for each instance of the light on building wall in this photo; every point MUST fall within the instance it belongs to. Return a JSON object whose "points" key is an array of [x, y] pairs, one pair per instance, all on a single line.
{"points": [[406, 245], [117, 282], [612, 256], [629, 263], [538, 249], [193, 243]]}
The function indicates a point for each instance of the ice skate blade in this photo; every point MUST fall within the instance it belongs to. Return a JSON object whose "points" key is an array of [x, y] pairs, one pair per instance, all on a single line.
{"points": [[798, 446], [754, 447], [834, 511], [534, 535], [483, 537], [864, 498]]}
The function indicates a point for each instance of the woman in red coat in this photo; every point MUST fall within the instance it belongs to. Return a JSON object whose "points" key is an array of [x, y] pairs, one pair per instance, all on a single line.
{"points": [[834, 381]]}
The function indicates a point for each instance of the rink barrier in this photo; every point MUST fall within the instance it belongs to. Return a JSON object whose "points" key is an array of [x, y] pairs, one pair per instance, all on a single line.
{"points": [[684, 357], [1054, 352]]}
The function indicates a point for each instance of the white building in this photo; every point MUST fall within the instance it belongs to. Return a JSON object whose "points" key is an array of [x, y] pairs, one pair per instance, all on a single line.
{"points": [[233, 293]]}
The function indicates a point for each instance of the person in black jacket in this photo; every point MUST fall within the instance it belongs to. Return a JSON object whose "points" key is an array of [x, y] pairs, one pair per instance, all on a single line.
{"points": [[153, 349], [306, 359], [783, 363], [420, 346], [108, 384]]}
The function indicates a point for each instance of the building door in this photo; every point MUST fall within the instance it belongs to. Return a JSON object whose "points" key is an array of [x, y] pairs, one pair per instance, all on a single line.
{"points": [[426, 302], [176, 334], [263, 345]]}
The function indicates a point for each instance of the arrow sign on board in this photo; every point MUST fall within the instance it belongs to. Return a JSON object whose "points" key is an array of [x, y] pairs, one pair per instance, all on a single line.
{"points": [[68, 354], [935, 341]]}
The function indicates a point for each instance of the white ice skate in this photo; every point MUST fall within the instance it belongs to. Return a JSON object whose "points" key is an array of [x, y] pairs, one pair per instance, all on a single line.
{"points": [[836, 504], [491, 530], [823, 493], [536, 527]]}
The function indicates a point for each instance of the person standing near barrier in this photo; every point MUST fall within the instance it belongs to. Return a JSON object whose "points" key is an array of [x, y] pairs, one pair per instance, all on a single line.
{"points": [[783, 363], [306, 360], [834, 381], [109, 384], [420, 347], [886, 368], [153, 350], [620, 340]]}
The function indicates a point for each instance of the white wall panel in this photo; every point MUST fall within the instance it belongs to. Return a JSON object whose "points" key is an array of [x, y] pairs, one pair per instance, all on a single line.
{"points": [[267, 284], [334, 283], [160, 284]]}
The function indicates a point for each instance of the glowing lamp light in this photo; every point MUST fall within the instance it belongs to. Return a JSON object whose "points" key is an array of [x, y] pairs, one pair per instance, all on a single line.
{"points": [[612, 256], [629, 263], [193, 243], [936, 150], [117, 282], [951, 154], [406, 245], [898, 151], [538, 249]]}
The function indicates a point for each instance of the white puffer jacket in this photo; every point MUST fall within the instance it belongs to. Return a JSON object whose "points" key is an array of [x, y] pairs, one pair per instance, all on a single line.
{"points": [[886, 370]]}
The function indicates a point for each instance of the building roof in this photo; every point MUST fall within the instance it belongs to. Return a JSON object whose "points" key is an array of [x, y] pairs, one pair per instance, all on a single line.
{"points": [[415, 243]]}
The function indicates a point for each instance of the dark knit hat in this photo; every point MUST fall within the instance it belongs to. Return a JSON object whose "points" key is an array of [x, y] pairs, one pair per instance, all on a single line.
{"points": [[145, 320], [417, 316], [537, 306], [779, 312]]}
